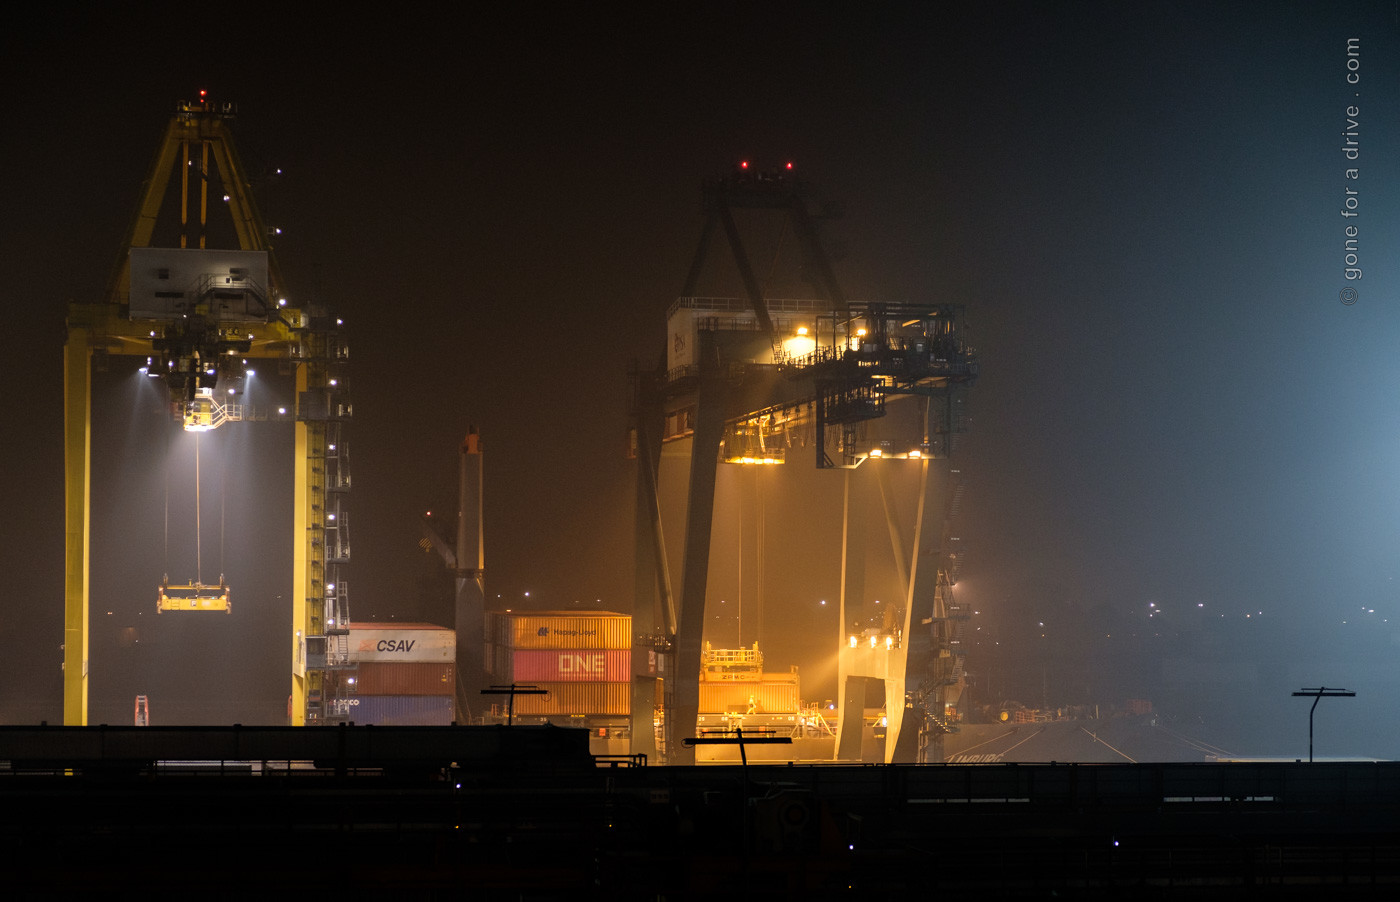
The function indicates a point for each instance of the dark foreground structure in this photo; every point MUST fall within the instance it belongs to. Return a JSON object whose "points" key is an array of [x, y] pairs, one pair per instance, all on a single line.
{"points": [[527, 813]]}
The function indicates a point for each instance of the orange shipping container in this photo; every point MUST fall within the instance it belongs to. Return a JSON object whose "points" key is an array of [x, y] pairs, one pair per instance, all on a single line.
{"points": [[733, 698], [575, 698], [562, 630]]}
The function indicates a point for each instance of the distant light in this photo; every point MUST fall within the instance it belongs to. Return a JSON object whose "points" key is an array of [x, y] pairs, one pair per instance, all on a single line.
{"points": [[743, 164], [251, 372], [332, 447], [282, 410], [330, 587], [330, 516], [853, 642], [876, 452], [801, 330], [335, 382], [872, 641], [227, 198], [916, 454], [789, 165], [281, 302], [230, 391], [339, 321]]}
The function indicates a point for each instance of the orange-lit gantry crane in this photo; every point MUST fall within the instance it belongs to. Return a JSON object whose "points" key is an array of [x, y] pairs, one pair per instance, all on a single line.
{"points": [[196, 315], [752, 380]]}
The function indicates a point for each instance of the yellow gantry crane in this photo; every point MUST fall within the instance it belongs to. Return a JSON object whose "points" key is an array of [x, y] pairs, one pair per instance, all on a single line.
{"points": [[197, 314]]}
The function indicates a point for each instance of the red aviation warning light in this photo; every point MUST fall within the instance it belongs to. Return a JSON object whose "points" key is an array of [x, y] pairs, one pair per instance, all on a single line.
{"points": [[743, 164], [789, 166]]}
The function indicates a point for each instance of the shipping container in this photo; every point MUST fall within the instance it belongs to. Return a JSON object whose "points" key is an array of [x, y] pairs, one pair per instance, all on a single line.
{"points": [[554, 665], [393, 678], [571, 630], [767, 697], [574, 698], [396, 710], [420, 642]]}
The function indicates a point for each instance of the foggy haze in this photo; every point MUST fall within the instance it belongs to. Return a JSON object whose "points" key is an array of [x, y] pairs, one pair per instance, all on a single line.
{"points": [[1183, 446]]}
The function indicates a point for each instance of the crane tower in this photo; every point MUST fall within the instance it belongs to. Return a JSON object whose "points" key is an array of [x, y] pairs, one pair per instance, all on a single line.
{"points": [[196, 314], [754, 380]]}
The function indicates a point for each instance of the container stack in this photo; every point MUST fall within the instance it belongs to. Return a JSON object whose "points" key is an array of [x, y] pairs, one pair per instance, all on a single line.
{"points": [[582, 659], [732, 681], [403, 674]]}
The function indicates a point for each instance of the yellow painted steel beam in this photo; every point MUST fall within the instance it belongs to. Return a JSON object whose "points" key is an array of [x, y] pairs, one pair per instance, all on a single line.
{"points": [[77, 472], [247, 221], [309, 556], [213, 133]]}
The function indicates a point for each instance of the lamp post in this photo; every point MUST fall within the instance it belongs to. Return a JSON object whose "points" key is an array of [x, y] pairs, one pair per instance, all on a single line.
{"points": [[1317, 695]]}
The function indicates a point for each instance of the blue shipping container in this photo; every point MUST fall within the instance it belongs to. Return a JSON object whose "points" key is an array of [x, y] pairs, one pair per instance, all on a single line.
{"points": [[397, 710]]}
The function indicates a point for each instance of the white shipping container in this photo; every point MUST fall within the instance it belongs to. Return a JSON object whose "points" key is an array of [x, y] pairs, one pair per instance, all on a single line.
{"points": [[402, 642]]}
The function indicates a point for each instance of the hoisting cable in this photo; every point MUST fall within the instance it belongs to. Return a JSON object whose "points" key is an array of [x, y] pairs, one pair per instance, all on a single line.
{"points": [[223, 504], [167, 512], [198, 562]]}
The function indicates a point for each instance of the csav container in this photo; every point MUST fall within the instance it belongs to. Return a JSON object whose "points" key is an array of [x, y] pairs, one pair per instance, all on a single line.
{"points": [[418, 642]]}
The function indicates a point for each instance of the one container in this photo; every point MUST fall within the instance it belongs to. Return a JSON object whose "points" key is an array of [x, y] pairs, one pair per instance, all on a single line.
{"points": [[566, 666], [396, 710], [574, 698], [421, 642], [561, 630]]}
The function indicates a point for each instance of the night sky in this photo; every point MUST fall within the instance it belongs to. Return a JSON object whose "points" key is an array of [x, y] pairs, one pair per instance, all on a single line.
{"points": [[1184, 446]]}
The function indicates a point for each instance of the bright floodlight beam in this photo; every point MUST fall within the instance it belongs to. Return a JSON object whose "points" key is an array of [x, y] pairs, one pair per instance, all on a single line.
{"points": [[1317, 696]]}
